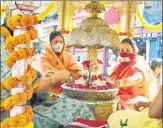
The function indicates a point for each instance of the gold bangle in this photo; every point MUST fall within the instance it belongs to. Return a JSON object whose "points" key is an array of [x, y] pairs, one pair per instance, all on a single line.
{"points": [[123, 82], [117, 83]]}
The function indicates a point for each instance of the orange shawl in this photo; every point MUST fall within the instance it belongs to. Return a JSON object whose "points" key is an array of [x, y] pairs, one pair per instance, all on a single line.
{"points": [[51, 63]]}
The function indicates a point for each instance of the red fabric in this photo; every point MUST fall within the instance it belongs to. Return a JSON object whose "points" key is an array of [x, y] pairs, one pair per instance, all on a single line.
{"points": [[57, 88], [91, 123], [125, 70], [132, 56]]}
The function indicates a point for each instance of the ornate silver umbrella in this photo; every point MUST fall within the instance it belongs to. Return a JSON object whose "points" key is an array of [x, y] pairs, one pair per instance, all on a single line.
{"points": [[93, 33]]}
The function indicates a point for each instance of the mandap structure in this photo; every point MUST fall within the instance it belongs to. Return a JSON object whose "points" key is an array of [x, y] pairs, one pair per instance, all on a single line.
{"points": [[93, 34]]}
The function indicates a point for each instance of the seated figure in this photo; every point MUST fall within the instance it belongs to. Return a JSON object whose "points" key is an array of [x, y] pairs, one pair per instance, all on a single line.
{"points": [[148, 118], [132, 76], [156, 66]]}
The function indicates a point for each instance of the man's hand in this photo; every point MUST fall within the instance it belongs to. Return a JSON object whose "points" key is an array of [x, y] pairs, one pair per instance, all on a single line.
{"points": [[141, 104]]}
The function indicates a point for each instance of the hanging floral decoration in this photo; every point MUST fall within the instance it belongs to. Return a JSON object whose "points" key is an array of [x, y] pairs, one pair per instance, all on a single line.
{"points": [[25, 38], [23, 120], [152, 28], [45, 12], [129, 35], [22, 53], [65, 31], [21, 20], [12, 82]]}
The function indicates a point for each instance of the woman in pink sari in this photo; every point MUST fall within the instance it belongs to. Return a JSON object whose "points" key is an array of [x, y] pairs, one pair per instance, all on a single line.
{"points": [[133, 76]]}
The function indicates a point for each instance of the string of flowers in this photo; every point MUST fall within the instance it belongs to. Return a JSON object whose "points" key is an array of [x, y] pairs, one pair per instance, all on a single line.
{"points": [[64, 31], [21, 20], [126, 34], [22, 53], [25, 38], [23, 120]]}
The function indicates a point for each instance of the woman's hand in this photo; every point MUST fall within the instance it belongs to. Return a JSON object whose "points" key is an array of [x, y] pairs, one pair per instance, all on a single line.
{"points": [[110, 81], [75, 75], [61, 75], [141, 104]]}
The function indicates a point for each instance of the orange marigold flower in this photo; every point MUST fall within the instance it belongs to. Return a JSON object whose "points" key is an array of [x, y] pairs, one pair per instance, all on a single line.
{"points": [[28, 77], [15, 55], [11, 82], [15, 40], [9, 61], [30, 51], [9, 46], [21, 39], [11, 42], [22, 120], [27, 38], [23, 96], [16, 99], [24, 21], [33, 74], [31, 20], [29, 92], [8, 103], [5, 123], [33, 34], [13, 21], [22, 79], [24, 38], [13, 122], [29, 115], [35, 19], [22, 53]]}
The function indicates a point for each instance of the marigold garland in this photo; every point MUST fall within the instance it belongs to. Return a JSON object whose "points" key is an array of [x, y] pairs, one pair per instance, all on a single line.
{"points": [[65, 31], [12, 82], [18, 98], [25, 38], [21, 53], [126, 34], [19, 20], [20, 120], [23, 120], [152, 28]]}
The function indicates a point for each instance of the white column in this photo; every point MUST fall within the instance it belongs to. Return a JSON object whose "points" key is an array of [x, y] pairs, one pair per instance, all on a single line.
{"points": [[147, 49]]}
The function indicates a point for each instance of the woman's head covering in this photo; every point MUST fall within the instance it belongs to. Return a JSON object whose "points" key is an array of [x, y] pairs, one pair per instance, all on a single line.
{"points": [[54, 34], [132, 43], [48, 46]]}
